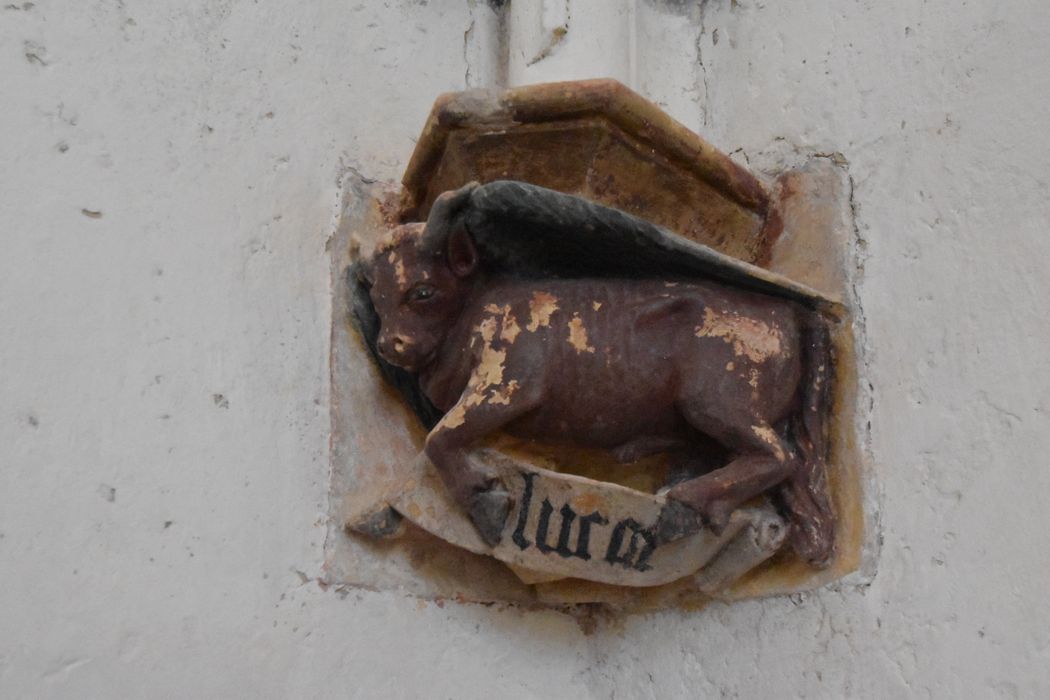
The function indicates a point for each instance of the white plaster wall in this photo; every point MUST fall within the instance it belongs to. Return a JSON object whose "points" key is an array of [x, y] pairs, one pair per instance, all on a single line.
{"points": [[168, 183]]}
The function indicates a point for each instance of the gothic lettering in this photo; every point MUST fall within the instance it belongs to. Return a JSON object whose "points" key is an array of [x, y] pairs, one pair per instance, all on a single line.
{"points": [[637, 545], [523, 514], [583, 540], [632, 558], [567, 516]]}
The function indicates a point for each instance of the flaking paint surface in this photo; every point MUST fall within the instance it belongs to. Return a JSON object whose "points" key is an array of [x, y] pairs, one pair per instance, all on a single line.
{"points": [[937, 108]]}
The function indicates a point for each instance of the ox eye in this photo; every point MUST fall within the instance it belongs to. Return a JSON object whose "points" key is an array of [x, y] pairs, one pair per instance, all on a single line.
{"points": [[421, 292]]}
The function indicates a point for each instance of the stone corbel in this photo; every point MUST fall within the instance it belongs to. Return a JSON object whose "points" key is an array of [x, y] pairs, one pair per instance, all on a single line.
{"points": [[584, 532]]}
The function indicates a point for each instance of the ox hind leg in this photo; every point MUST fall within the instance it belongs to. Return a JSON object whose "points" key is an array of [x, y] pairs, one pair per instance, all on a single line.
{"points": [[761, 460]]}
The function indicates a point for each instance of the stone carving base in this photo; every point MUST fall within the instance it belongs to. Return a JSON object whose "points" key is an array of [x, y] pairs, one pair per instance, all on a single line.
{"points": [[373, 451]]}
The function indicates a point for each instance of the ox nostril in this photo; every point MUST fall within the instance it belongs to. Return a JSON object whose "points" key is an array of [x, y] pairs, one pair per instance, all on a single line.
{"points": [[399, 345]]}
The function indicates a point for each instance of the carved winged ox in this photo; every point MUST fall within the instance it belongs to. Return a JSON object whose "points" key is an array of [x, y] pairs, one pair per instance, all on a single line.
{"points": [[548, 317]]}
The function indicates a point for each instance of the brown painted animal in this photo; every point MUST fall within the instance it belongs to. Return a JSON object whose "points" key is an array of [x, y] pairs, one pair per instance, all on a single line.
{"points": [[633, 365]]}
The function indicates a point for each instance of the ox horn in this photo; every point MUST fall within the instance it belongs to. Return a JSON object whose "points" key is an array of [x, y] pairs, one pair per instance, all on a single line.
{"points": [[442, 215]]}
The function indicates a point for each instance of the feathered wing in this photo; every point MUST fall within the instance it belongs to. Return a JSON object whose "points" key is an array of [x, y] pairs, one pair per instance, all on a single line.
{"points": [[527, 230]]}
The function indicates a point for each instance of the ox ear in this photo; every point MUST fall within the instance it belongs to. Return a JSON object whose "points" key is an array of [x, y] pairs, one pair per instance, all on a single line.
{"points": [[460, 252], [445, 211], [450, 203]]}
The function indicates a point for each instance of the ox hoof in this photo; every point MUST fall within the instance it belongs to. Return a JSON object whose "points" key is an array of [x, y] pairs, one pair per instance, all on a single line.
{"points": [[489, 511], [676, 521], [385, 522]]}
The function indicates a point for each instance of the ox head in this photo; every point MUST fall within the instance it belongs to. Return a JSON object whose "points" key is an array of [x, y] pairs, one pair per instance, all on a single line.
{"points": [[419, 278]]}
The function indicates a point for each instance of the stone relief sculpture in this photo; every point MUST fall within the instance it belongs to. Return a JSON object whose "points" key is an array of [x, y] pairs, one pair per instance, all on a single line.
{"points": [[521, 309], [601, 399]]}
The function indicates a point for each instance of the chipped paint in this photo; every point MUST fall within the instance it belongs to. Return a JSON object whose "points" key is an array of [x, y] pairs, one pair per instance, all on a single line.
{"points": [[399, 235], [541, 307], [769, 436], [489, 371], [502, 396], [455, 417], [509, 328], [399, 272], [487, 329], [393, 258], [751, 338], [578, 335], [596, 305], [487, 375], [390, 245]]}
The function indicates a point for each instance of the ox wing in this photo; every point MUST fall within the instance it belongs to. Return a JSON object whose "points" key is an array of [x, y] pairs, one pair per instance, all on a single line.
{"points": [[532, 231]]}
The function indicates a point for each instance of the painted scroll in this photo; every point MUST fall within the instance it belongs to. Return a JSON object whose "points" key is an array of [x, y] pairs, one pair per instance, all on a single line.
{"points": [[567, 526]]}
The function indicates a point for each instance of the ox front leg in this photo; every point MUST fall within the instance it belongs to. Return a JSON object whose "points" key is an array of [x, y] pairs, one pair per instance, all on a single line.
{"points": [[763, 460], [449, 445]]}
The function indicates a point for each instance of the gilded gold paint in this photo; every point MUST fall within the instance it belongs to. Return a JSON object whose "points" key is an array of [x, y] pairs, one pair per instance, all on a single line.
{"points": [[578, 335], [769, 436], [510, 327], [487, 329], [503, 395], [489, 371], [751, 338], [541, 306], [456, 416], [488, 374]]}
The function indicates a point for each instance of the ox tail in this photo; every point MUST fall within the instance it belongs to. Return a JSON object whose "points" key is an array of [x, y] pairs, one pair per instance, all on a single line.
{"points": [[804, 495]]}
